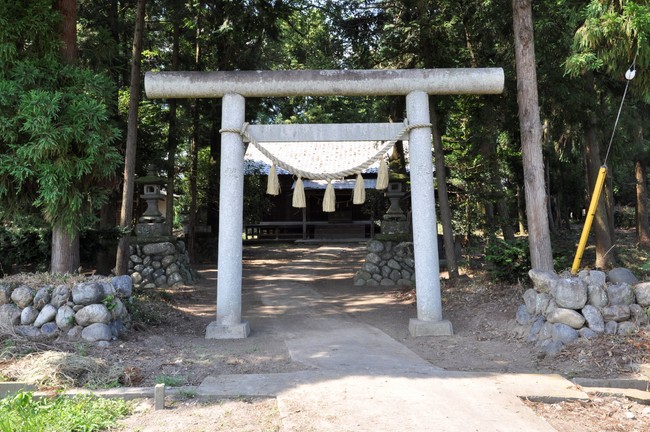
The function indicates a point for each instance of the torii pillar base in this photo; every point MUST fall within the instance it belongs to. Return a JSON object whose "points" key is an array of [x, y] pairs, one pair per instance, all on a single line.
{"points": [[430, 328], [221, 331]]}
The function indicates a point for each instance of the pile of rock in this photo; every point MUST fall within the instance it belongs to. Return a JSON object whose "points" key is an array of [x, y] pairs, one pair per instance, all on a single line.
{"points": [[160, 264], [560, 309], [387, 263], [92, 311]]}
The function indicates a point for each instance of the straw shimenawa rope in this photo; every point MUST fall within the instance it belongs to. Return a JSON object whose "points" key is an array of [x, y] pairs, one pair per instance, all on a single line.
{"points": [[329, 202]]}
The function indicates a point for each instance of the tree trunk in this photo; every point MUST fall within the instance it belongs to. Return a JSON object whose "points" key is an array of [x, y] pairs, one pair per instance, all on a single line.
{"points": [[65, 240], [504, 217], [194, 161], [610, 204], [553, 221], [604, 258], [541, 254], [443, 198], [65, 250], [172, 145], [126, 213], [642, 231], [194, 149], [215, 157], [521, 216], [641, 177], [485, 149], [68, 11], [172, 139]]}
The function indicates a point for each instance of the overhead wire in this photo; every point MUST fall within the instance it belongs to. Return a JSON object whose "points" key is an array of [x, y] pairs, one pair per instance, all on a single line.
{"points": [[629, 76]]}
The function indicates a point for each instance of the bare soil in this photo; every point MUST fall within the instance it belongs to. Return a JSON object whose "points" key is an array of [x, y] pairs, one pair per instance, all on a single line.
{"points": [[175, 350]]}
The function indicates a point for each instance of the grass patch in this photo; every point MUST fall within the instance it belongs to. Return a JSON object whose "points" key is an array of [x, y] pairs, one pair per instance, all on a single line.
{"points": [[187, 394], [7, 349], [24, 413], [170, 381]]}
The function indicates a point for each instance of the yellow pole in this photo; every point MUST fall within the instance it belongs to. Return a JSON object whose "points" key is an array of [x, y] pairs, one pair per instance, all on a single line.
{"points": [[598, 188]]}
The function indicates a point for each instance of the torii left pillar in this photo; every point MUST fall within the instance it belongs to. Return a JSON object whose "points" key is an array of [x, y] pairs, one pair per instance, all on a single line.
{"points": [[233, 87], [229, 324]]}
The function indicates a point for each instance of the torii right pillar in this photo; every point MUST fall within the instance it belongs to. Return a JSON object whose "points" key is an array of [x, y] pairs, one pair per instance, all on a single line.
{"points": [[429, 321]]}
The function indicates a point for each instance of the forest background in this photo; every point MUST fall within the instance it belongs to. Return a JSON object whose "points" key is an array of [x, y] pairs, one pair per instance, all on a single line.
{"points": [[75, 128]]}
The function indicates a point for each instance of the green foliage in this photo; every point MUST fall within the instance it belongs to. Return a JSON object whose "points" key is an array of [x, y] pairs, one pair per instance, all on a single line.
{"points": [[7, 351], [376, 204], [611, 35], [170, 380], [510, 260], [82, 349], [26, 248], [188, 394], [110, 302], [56, 140], [22, 412], [208, 168]]}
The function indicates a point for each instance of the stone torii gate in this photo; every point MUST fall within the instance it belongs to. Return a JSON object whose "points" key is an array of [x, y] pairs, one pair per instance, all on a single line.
{"points": [[234, 87]]}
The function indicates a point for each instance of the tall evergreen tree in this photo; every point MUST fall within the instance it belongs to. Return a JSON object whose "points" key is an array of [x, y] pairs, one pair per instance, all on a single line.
{"points": [[56, 140], [612, 36], [126, 213], [531, 137]]}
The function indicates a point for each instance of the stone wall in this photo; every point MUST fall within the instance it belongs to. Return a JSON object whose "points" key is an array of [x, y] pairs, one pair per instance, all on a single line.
{"points": [[387, 263], [561, 309], [92, 311], [159, 264]]}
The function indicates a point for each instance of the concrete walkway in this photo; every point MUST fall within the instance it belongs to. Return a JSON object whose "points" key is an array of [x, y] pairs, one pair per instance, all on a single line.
{"points": [[360, 379]]}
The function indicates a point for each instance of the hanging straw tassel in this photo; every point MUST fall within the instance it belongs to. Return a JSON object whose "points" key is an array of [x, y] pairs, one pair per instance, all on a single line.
{"points": [[329, 201], [299, 194], [359, 196], [382, 176], [273, 184]]}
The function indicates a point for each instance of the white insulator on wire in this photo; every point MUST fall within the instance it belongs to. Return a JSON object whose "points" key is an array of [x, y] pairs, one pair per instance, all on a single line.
{"points": [[630, 74]]}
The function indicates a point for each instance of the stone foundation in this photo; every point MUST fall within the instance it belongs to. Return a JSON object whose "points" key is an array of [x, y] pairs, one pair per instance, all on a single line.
{"points": [[93, 311], [561, 309], [159, 264], [387, 263]]}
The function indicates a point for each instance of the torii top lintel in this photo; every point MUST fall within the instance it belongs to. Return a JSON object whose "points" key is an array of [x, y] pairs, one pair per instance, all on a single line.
{"points": [[281, 83]]}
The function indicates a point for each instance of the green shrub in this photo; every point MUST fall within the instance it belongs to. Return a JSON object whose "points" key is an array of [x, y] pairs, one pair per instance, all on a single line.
{"points": [[510, 260], [25, 248], [79, 413]]}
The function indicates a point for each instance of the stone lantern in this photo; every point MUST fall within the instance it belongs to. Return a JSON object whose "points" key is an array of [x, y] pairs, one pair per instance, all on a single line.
{"points": [[152, 222], [395, 221]]}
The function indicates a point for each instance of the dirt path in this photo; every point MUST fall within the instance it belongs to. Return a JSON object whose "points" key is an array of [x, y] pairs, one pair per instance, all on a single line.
{"points": [[481, 315]]}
